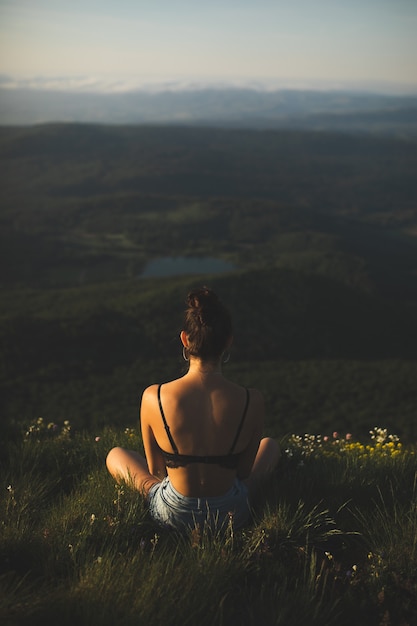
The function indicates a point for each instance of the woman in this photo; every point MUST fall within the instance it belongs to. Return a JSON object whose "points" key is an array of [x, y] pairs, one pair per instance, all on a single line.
{"points": [[201, 432]]}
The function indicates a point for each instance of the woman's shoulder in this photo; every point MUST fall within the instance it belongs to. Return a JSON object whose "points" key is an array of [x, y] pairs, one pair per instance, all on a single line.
{"points": [[256, 399], [152, 392], [254, 394], [150, 396], [179, 385]]}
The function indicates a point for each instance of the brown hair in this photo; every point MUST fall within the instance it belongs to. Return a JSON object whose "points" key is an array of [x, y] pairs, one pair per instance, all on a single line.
{"points": [[207, 323]]}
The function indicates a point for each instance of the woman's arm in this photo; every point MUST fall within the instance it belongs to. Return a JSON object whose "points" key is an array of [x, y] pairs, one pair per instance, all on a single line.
{"points": [[257, 411], [148, 409]]}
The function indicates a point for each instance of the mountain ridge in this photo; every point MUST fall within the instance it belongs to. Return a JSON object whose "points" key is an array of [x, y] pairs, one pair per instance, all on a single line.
{"points": [[235, 107]]}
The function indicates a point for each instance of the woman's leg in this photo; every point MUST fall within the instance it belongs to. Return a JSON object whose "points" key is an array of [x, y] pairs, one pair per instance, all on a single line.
{"points": [[265, 462], [130, 467]]}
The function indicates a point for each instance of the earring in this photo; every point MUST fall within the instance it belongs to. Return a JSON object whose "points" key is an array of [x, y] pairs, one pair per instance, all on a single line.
{"points": [[184, 354], [226, 356]]}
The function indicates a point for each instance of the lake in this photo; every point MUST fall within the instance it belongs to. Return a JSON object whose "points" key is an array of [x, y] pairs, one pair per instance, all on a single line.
{"points": [[176, 266]]}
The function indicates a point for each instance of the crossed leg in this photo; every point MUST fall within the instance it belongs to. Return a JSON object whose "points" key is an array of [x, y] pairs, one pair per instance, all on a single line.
{"points": [[129, 466]]}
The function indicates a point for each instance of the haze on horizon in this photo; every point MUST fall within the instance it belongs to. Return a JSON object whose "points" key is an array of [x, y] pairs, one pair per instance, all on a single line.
{"points": [[100, 44]]}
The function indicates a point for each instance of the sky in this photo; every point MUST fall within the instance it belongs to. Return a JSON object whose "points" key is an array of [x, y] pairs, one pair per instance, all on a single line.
{"points": [[123, 42]]}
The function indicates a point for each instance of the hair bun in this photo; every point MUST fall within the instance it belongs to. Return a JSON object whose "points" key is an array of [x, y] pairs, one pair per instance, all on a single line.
{"points": [[207, 323], [205, 304]]}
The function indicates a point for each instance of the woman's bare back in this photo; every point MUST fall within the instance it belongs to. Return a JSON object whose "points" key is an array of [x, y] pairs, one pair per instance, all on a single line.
{"points": [[204, 416]]}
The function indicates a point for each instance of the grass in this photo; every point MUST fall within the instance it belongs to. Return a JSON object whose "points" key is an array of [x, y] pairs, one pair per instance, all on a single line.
{"points": [[333, 541]]}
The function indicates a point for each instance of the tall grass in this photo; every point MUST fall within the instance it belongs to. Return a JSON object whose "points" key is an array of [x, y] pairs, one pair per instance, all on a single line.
{"points": [[333, 540]]}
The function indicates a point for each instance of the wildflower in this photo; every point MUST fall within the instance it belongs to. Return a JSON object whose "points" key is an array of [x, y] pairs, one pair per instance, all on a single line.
{"points": [[379, 434], [348, 436], [92, 518], [111, 521], [325, 438], [335, 435], [66, 430], [230, 524], [99, 559], [11, 500], [352, 572], [97, 439], [154, 542]]}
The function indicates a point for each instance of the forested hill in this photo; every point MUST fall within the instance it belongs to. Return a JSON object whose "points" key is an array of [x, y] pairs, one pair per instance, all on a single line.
{"points": [[320, 228]]}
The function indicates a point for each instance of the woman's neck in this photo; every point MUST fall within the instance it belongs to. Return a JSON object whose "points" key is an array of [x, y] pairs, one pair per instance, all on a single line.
{"points": [[204, 368]]}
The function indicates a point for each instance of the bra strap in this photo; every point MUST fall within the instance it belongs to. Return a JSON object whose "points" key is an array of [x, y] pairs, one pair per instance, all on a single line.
{"points": [[168, 432]]}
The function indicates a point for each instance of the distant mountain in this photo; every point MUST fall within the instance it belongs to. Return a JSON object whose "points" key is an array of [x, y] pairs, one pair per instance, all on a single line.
{"points": [[237, 107]]}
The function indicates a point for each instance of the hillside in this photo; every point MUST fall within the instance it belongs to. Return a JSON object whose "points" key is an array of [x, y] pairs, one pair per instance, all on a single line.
{"points": [[320, 228]]}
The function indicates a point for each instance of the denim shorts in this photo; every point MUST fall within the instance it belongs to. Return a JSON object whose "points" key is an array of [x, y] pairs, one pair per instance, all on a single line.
{"points": [[170, 508]]}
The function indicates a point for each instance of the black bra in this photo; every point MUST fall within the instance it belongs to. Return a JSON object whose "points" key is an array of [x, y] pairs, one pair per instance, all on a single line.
{"points": [[175, 459]]}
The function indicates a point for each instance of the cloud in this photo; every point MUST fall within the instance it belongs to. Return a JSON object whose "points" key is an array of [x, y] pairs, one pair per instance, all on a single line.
{"points": [[129, 84]]}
